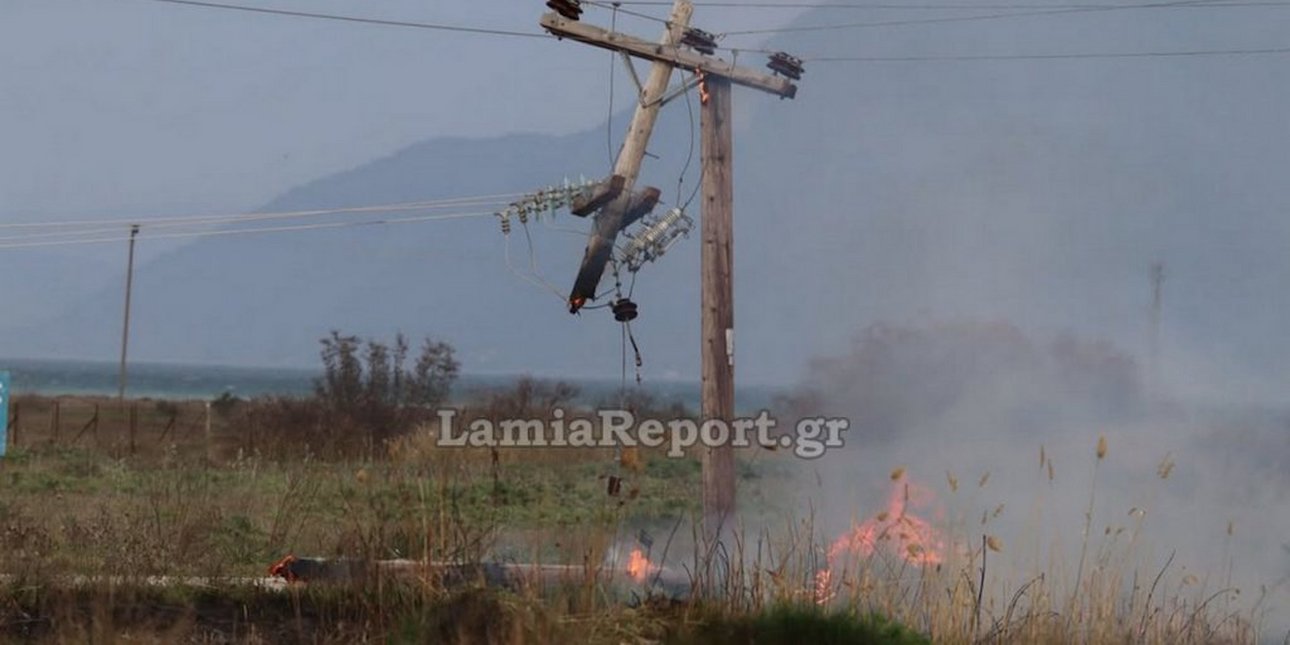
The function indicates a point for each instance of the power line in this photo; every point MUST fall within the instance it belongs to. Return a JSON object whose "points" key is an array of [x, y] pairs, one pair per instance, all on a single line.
{"points": [[209, 222], [613, 64], [618, 9], [1004, 57], [946, 7], [1047, 10], [252, 231], [357, 19], [992, 16], [219, 219]]}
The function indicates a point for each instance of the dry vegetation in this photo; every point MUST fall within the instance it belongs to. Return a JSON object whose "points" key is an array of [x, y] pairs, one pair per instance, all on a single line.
{"points": [[129, 523], [99, 542], [83, 526]]}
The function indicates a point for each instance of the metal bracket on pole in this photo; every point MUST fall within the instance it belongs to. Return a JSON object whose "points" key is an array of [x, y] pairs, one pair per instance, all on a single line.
{"points": [[631, 69], [685, 87]]}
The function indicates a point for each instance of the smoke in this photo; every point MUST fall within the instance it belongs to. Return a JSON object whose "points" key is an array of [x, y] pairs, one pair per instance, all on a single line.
{"points": [[1005, 427]]}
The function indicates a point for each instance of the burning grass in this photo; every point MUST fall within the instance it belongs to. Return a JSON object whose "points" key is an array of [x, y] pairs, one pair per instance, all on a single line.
{"points": [[83, 532], [956, 581]]}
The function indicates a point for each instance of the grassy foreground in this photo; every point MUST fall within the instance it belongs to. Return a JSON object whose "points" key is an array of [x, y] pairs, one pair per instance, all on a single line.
{"points": [[91, 519], [87, 526]]}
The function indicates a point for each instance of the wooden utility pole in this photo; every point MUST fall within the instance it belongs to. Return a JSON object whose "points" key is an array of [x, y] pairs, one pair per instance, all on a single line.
{"points": [[715, 78], [651, 103], [613, 217], [125, 326], [718, 297]]}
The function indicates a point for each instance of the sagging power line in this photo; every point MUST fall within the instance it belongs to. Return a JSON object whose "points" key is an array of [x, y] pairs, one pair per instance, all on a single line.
{"points": [[357, 19], [977, 18], [937, 7], [1038, 10], [1071, 56], [91, 231], [249, 231], [454, 202]]}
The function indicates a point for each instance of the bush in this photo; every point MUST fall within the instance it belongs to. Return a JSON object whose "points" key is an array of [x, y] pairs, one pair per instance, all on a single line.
{"points": [[367, 395]]}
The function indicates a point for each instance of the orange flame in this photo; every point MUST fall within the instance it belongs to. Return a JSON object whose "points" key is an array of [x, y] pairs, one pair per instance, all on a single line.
{"points": [[638, 566], [908, 535], [896, 529], [823, 586]]}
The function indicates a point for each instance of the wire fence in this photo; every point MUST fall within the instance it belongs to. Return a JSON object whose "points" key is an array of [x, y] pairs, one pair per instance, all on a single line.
{"points": [[147, 428]]}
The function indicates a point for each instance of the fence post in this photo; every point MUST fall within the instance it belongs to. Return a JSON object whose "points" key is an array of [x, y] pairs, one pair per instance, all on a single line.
{"points": [[170, 425], [134, 424], [13, 426], [55, 420], [210, 446]]}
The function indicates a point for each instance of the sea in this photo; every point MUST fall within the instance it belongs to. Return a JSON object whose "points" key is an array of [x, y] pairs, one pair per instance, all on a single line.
{"points": [[176, 381]]}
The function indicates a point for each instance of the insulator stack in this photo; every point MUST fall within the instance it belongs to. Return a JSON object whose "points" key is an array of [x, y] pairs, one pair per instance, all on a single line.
{"points": [[625, 310], [783, 63], [547, 200], [506, 222], [700, 41], [571, 9], [655, 238]]}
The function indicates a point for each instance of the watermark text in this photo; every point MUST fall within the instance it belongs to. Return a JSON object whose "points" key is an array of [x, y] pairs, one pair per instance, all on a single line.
{"points": [[810, 438]]}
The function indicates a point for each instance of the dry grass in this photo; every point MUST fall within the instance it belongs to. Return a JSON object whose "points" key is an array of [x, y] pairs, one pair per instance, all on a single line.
{"points": [[74, 518]]}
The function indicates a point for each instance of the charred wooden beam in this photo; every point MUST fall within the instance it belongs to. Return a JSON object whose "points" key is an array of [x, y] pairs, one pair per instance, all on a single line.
{"points": [[596, 196]]}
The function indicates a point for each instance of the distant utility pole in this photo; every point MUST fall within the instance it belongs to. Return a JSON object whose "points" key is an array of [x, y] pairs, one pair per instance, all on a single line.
{"points": [[125, 326], [1157, 303], [715, 78]]}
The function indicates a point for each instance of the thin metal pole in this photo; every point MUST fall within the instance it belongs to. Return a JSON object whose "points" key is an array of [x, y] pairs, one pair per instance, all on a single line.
{"points": [[125, 327]]}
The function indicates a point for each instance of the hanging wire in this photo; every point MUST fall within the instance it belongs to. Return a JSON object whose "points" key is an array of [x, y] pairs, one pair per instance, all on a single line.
{"points": [[627, 335], [248, 217], [548, 224], [248, 231], [358, 19], [924, 6], [689, 156], [531, 279], [689, 109], [71, 234], [637, 350], [622, 388], [1042, 57], [604, 305], [613, 66], [976, 18], [617, 6], [533, 266]]}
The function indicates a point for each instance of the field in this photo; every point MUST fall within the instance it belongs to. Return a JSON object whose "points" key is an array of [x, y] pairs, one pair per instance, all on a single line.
{"points": [[139, 529]]}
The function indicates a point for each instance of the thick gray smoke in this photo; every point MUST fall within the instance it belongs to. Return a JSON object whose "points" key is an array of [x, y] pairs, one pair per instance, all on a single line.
{"points": [[977, 403]]}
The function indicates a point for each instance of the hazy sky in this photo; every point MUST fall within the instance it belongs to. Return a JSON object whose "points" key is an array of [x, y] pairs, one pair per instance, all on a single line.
{"points": [[138, 105], [1034, 191]]}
